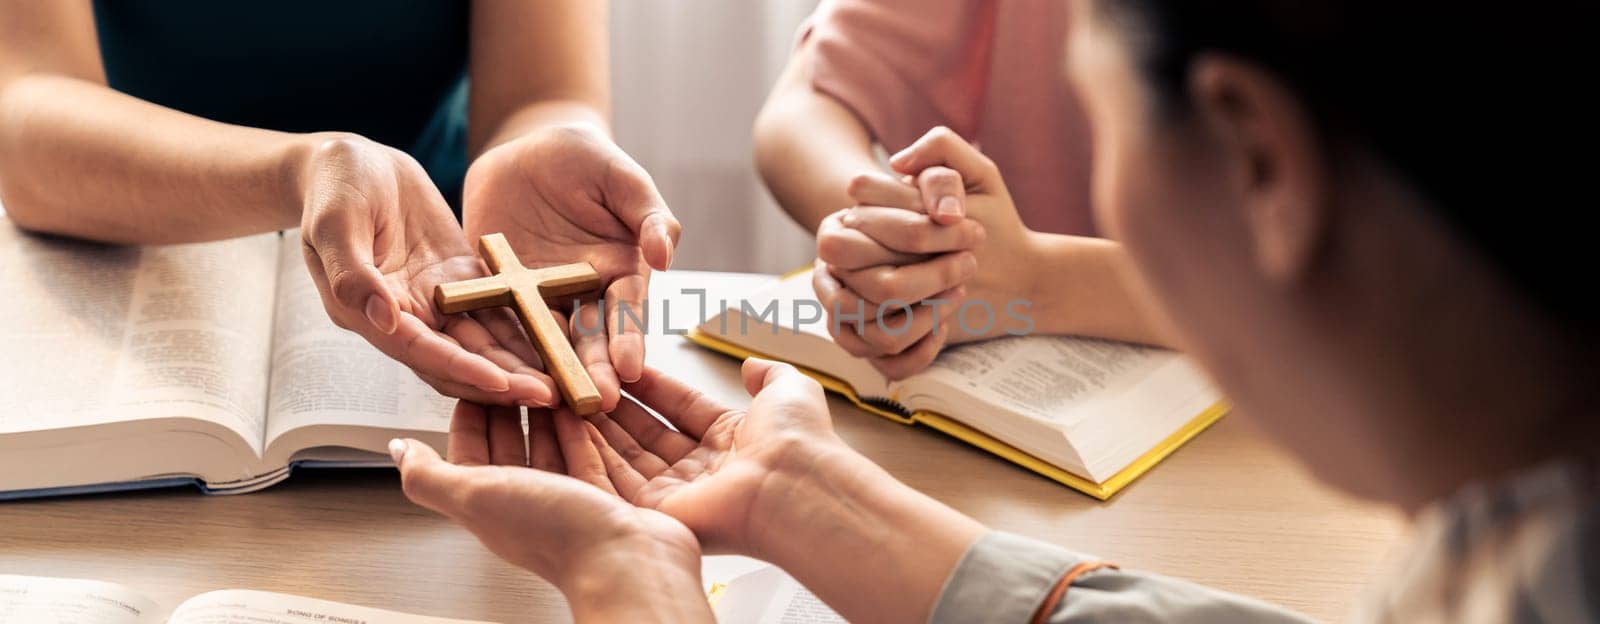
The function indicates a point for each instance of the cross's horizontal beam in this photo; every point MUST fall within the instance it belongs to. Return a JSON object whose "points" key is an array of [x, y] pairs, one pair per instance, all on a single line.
{"points": [[484, 292]]}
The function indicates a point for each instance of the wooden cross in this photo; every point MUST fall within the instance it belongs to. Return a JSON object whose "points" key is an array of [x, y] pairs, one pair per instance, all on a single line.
{"points": [[525, 291]]}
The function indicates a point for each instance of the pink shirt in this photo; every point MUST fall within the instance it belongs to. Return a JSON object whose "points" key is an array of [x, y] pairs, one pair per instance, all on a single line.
{"points": [[989, 69]]}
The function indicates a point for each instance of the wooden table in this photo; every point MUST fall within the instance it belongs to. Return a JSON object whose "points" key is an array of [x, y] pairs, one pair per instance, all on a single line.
{"points": [[1225, 510]]}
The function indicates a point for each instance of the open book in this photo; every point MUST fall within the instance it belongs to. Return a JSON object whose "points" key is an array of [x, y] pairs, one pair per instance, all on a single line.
{"points": [[33, 600], [1091, 414], [132, 367], [764, 595], [768, 595]]}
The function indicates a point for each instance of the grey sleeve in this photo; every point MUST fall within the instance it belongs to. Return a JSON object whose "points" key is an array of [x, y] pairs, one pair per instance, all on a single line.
{"points": [[1005, 577]]}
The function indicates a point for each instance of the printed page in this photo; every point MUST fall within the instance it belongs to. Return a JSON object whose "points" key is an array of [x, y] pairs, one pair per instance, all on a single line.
{"points": [[771, 596], [324, 375], [236, 606], [40, 600], [99, 333], [1111, 402], [1045, 376]]}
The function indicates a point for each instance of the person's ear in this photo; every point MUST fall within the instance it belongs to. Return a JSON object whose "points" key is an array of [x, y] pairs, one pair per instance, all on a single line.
{"points": [[1272, 156]]}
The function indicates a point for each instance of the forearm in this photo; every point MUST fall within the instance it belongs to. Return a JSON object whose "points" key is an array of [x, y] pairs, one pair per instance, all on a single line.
{"points": [[871, 547], [808, 146], [542, 114], [1086, 286], [638, 587], [537, 65], [80, 159]]}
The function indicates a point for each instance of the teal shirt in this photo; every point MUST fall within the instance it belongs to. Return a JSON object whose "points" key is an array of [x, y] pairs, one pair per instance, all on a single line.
{"points": [[394, 72]]}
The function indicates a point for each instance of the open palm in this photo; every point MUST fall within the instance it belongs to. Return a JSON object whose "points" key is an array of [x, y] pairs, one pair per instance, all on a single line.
{"points": [[546, 522], [710, 470], [377, 238], [568, 194]]}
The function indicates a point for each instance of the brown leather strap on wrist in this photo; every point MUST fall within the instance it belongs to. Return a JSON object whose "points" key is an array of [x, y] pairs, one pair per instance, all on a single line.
{"points": [[1053, 599]]}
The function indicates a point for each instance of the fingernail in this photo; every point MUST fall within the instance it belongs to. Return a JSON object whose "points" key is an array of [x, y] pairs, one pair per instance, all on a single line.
{"points": [[848, 219], [397, 450], [504, 386], [380, 314], [666, 237], [948, 205]]}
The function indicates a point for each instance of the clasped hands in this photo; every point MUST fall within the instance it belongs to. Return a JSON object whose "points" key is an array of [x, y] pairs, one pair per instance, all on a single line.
{"points": [[378, 237], [894, 271]]}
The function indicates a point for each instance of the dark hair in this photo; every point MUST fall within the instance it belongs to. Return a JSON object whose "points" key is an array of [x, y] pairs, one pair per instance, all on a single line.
{"points": [[1473, 102]]}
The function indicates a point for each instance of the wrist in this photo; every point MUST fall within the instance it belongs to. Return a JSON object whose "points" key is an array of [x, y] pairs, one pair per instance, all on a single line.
{"points": [[1017, 286], [809, 481], [539, 117], [1087, 287], [846, 526], [297, 166], [639, 580], [1051, 256], [830, 489], [1034, 269]]}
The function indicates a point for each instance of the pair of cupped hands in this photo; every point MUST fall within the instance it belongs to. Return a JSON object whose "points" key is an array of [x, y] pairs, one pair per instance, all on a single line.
{"points": [[378, 237], [576, 499]]}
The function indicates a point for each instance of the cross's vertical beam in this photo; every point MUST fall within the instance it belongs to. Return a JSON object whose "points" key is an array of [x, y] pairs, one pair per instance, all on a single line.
{"points": [[498, 254], [559, 359]]}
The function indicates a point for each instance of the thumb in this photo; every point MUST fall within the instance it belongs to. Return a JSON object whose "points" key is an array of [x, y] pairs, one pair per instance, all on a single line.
{"points": [[639, 205], [754, 371], [941, 146], [760, 376], [786, 397], [354, 282], [427, 479], [943, 194]]}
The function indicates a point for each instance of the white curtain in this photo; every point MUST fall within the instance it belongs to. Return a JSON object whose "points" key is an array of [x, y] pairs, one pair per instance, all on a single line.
{"points": [[687, 80]]}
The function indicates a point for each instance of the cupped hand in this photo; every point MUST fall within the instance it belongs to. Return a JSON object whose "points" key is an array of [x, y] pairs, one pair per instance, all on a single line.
{"points": [[569, 194], [723, 472], [377, 238], [568, 529]]}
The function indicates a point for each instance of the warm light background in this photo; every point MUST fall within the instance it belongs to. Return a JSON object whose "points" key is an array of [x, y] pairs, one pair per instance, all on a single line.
{"points": [[687, 81]]}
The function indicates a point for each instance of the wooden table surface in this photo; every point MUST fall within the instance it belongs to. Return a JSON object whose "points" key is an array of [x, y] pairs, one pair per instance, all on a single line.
{"points": [[1226, 510]]}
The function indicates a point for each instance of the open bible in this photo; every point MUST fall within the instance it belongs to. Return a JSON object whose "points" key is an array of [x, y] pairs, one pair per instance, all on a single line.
{"points": [[1091, 414], [768, 595], [212, 364], [40, 599]]}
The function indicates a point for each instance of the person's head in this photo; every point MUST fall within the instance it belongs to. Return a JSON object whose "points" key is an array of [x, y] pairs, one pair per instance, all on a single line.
{"points": [[1346, 210]]}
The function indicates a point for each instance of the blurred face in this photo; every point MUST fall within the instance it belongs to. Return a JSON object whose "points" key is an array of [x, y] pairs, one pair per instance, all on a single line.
{"points": [[1217, 204], [1155, 186]]}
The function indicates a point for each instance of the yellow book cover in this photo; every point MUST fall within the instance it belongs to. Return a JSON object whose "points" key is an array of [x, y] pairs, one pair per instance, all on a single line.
{"points": [[952, 411]]}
